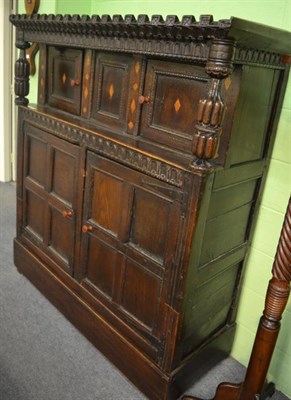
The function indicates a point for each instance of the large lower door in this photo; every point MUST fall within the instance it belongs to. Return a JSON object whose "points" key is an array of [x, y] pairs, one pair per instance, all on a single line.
{"points": [[130, 225]]}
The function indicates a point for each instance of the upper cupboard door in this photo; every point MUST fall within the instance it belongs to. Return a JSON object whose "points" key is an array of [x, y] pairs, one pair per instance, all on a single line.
{"points": [[116, 89], [172, 92], [65, 79]]}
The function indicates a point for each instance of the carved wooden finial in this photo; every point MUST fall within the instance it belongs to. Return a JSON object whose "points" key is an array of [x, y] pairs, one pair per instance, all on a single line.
{"points": [[211, 108]]}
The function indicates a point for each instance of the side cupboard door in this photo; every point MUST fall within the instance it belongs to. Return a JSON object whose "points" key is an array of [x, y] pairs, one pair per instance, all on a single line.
{"points": [[130, 237], [50, 192]]}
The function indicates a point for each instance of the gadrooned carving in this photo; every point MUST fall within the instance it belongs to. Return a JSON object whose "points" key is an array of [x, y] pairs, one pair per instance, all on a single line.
{"points": [[116, 151]]}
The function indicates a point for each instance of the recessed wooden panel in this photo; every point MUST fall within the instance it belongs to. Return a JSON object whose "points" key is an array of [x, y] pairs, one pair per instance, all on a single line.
{"points": [[101, 265], [217, 237], [65, 78], [174, 91], [36, 159], [112, 88], [63, 175], [149, 227], [34, 214], [106, 201], [61, 237], [210, 306], [250, 127], [141, 293], [229, 198]]}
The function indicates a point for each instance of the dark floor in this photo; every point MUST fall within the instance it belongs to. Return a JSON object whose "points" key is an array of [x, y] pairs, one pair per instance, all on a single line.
{"points": [[43, 357]]}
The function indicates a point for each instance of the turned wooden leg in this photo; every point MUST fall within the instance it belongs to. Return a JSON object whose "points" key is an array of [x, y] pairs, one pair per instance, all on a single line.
{"points": [[268, 329]]}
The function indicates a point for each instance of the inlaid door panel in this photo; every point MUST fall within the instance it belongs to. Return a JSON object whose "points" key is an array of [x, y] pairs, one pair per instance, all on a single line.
{"points": [[130, 226], [65, 78], [50, 194], [116, 88], [173, 91]]}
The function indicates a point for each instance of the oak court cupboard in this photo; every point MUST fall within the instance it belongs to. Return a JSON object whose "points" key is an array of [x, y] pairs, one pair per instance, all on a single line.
{"points": [[139, 170]]}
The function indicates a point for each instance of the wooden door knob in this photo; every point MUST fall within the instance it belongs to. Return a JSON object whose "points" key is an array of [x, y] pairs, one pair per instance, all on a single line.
{"points": [[75, 82], [143, 99], [67, 214], [86, 228]]}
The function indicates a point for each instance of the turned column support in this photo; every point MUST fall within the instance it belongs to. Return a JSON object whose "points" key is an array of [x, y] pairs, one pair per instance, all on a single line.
{"points": [[211, 108], [269, 326], [22, 70]]}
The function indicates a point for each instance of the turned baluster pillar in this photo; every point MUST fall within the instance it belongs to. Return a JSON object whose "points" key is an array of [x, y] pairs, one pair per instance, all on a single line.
{"points": [[269, 326], [208, 126], [22, 69]]}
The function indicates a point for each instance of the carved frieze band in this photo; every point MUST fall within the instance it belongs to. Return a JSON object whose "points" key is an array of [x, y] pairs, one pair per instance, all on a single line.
{"points": [[113, 150], [185, 39]]}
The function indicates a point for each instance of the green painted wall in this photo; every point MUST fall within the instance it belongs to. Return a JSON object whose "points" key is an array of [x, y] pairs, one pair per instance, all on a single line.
{"points": [[276, 13]]}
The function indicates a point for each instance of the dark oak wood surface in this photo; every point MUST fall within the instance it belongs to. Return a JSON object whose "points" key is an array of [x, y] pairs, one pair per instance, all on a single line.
{"points": [[139, 173], [253, 387]]}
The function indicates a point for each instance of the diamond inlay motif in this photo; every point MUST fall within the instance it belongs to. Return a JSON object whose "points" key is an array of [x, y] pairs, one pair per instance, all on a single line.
{"points": [[133, 106], [177, 105], [111, 91], [64, 78]]}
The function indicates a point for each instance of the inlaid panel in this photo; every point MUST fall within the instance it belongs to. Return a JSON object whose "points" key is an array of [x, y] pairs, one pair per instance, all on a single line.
{"points": [[115, 94], [65, 78], [141, 293], [173, 91]]}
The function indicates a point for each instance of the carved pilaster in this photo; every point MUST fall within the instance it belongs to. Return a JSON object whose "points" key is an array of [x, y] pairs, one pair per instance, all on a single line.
{"points": [[22, 69], [211, 108]]}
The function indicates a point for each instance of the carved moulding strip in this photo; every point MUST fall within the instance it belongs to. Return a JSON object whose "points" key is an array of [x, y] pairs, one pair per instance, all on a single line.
{"points": [[194, 50], [258, 57], [116, 151]]}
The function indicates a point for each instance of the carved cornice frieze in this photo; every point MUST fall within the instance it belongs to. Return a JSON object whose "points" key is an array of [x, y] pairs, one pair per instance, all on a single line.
{"points": [[116, 151], [188, 29], [187, 39]]}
